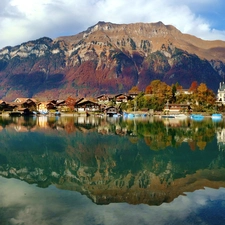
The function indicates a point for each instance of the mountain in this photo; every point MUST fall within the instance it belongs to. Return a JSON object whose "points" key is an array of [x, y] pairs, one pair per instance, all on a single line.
{"points": [[109, 58]]}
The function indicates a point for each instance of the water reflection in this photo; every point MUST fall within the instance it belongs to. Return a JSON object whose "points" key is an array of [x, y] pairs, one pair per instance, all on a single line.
{"points": [[25, 204], [148, 161]]}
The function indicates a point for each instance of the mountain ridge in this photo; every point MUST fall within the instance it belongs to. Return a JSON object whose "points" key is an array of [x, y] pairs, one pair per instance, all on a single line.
{"points": [[109, 58]]}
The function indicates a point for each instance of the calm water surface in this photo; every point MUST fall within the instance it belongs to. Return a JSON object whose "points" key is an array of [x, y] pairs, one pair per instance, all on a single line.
{"points": [[110, 171]]}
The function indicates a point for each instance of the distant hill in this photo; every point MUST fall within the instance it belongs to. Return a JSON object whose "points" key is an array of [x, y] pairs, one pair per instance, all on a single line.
{"points": [[109, 58]]}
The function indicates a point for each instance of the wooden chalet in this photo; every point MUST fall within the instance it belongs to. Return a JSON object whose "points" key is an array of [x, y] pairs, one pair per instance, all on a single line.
{"points": [[4, 106], [176, 108], [42, 107], [25, 103], [104, 99], [110, 111], [121, 98], [184, 91], [86, 105], [133, 94]]}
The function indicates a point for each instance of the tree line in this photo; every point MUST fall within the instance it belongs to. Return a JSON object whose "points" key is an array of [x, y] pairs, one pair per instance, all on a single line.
{"points": [[158, 93]]}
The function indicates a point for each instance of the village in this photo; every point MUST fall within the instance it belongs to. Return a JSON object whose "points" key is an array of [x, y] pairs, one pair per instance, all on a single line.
{"points": [[107, 104], [187, 101]]}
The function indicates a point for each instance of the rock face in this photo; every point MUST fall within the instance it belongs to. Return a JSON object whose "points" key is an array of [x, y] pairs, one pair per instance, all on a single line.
{"points": [[109, 58]]}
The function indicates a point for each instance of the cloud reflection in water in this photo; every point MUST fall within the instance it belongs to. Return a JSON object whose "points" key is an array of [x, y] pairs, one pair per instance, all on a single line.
{"points": [[22, 203]]}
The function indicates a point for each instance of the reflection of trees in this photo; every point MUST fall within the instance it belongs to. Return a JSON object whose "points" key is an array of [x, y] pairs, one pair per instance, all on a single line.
{"points": [[158, 136], [111, 168]]}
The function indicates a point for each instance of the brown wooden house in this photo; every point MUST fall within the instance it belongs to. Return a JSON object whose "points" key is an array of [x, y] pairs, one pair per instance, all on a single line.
{"points": [[104, 99], [121, 98], [86, 105]]}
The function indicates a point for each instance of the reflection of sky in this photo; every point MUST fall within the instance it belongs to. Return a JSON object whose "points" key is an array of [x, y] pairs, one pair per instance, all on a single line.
{"points": [[21, 203]]}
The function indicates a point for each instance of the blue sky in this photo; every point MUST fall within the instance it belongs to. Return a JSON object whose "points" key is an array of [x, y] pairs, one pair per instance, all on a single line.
{"points": [[24, 20]]}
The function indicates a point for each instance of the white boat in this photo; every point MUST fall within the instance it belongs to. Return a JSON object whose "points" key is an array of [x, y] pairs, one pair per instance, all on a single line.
{"points": [[180, 116]]}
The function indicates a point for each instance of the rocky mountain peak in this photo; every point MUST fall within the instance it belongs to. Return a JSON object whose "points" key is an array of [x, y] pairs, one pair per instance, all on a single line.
{"points": [[109, 58]]}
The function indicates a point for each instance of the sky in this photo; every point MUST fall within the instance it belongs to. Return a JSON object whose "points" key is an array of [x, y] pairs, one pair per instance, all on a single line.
{"points": [[25, 20]]}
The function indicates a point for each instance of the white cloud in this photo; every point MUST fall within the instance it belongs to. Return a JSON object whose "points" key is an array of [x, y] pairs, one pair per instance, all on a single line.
{"points": [[23, 20], [22, 203]]}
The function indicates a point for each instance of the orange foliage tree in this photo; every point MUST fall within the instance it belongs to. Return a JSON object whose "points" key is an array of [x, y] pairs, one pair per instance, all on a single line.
{"points": [[194, 86]]}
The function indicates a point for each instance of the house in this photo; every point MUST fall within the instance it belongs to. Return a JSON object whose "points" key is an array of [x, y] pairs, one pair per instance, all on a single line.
{"points": [[133, 94], [110, 111], [121, 98], [221, 94], [4, 106], [176, 108], [184, 92], [25, 103], [42, 107], [86, 105], [104, 99]]}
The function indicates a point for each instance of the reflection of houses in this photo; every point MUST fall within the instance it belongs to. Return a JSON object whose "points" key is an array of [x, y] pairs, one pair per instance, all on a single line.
{"points": [[88, 122], [221, 94], [86, 105], [176, 108], [42, 121], [221, 139]]}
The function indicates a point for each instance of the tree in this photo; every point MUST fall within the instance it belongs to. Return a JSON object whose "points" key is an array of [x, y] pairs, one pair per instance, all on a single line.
{"points": [[204, 96], [134, 89], [194, 86], [174, 91], [202, 88], [148, 89]]}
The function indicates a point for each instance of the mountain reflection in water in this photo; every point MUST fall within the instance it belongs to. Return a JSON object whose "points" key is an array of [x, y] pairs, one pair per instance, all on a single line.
{"points": [[112, 160]]}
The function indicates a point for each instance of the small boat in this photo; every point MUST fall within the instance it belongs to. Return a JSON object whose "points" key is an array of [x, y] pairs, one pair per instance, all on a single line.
{"points": [[217, 116], [197, 117]]}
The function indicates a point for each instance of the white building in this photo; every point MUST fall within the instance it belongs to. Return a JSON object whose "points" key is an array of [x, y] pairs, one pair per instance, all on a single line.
{"points": [[221, 93]]}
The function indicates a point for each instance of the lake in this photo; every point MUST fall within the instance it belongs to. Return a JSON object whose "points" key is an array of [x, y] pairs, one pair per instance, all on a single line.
{"points": [[111, 171]]}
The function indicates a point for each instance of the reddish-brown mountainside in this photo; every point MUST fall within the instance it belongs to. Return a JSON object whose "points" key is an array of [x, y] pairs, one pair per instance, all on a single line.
{"points": [[109, 58]]}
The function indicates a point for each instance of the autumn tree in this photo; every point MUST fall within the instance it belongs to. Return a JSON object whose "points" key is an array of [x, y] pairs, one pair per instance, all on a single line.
{"points": [[204, 96], [134, 89], [161, 92], [70, 103], [148, 89], [194, 86], [161, 89]]}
